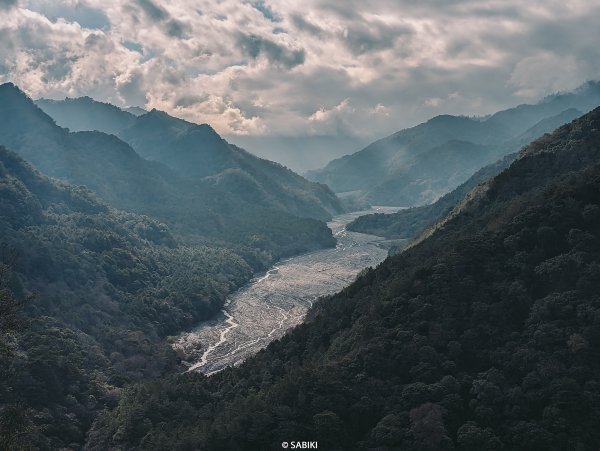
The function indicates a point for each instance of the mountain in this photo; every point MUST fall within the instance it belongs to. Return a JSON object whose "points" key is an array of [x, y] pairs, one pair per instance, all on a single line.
{"points": [[113, 268], [483, 336], [197, 152], [85, 114], [197, 210], [108, 287], [417, 165], [408, 223]]}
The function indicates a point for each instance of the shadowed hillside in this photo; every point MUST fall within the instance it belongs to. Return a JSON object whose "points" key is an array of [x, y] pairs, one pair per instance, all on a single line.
{"points": [[196, 210], [196, 152], [484, 336]]}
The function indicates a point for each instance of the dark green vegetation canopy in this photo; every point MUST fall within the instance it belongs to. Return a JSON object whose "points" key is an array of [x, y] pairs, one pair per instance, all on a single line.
{"points": [[484, 336], [112, 268]]}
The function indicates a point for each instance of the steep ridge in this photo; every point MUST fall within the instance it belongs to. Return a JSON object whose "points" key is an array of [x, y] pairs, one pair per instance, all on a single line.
{"points": [[409, 223], [403, 168], [197, 151], [198, 211], [484, 336], [85, 114]]}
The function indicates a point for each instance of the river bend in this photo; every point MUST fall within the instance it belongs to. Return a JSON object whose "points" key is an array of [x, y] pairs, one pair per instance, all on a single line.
{"points": [[274, 302]]}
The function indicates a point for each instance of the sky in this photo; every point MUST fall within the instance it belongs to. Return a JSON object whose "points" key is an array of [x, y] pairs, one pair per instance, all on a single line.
{"points": [[263, 70]]}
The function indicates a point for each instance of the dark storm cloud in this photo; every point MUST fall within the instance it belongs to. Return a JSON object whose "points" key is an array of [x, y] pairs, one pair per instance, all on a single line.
{"points": [[176, 29], [303, 24], [368, 37], [254, 45], [6, 4], [172, 27], [154, 11], [188, 101]]}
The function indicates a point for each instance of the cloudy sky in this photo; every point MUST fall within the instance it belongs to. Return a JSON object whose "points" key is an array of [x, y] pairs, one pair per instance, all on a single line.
{"points": [[352, 68]]}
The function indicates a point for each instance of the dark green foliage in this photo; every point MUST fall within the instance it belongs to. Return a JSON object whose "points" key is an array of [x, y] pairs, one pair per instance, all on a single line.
{"points": [[112, 285], [417, 165], [484, 336]]}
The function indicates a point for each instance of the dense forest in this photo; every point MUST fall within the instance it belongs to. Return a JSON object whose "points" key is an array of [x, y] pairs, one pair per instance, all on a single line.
{"points": [[105, 287], [484, 336], [99, 268]]}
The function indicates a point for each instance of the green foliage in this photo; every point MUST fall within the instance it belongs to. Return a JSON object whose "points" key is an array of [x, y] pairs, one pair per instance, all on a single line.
{"points": [[485, 335], [112, 285]]}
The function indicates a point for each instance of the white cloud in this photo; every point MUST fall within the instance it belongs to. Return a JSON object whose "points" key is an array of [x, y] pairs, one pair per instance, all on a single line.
{"points": [[265, 67], [538, 75]]}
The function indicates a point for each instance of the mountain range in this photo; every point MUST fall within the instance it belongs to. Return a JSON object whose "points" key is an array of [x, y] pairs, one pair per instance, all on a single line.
{"points": [[198, 152], [233, 206], [408, 223], [108, 253], [416, 166], [128, 228], [482, 336]]}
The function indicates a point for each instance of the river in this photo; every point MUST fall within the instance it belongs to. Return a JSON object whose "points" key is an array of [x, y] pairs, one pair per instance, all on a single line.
{"points": [[272, 303]]}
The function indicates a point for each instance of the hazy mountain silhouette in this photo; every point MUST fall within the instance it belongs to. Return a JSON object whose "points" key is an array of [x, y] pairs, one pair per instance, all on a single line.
{"points": [[197, 151], [417, 165], [195, 209], [408, 223]]}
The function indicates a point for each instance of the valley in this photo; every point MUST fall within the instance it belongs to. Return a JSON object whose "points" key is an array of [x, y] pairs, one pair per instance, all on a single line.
{"points": [[278, 300]]}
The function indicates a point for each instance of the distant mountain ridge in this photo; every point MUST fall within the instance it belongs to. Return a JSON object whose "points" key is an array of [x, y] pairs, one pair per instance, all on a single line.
{"points": [[198, 210], [196, 151], [416, 166], [407, 224]]}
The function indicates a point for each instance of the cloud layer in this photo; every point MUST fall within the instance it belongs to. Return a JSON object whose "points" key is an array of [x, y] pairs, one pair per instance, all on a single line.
{"points": [[318, 67]]}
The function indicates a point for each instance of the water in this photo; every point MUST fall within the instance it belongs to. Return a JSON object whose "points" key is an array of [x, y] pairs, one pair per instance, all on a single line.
{"points": [[271, 304]]}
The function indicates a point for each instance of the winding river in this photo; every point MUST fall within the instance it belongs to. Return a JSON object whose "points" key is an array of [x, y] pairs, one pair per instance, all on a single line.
{"points": [[269, 305]]}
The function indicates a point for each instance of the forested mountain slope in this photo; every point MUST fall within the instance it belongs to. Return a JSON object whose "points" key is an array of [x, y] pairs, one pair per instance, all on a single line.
{"points": [[111, 285], [484, 336], [108, 287], [197, 151], [416, 166], [408, 223], [196, 210]]}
